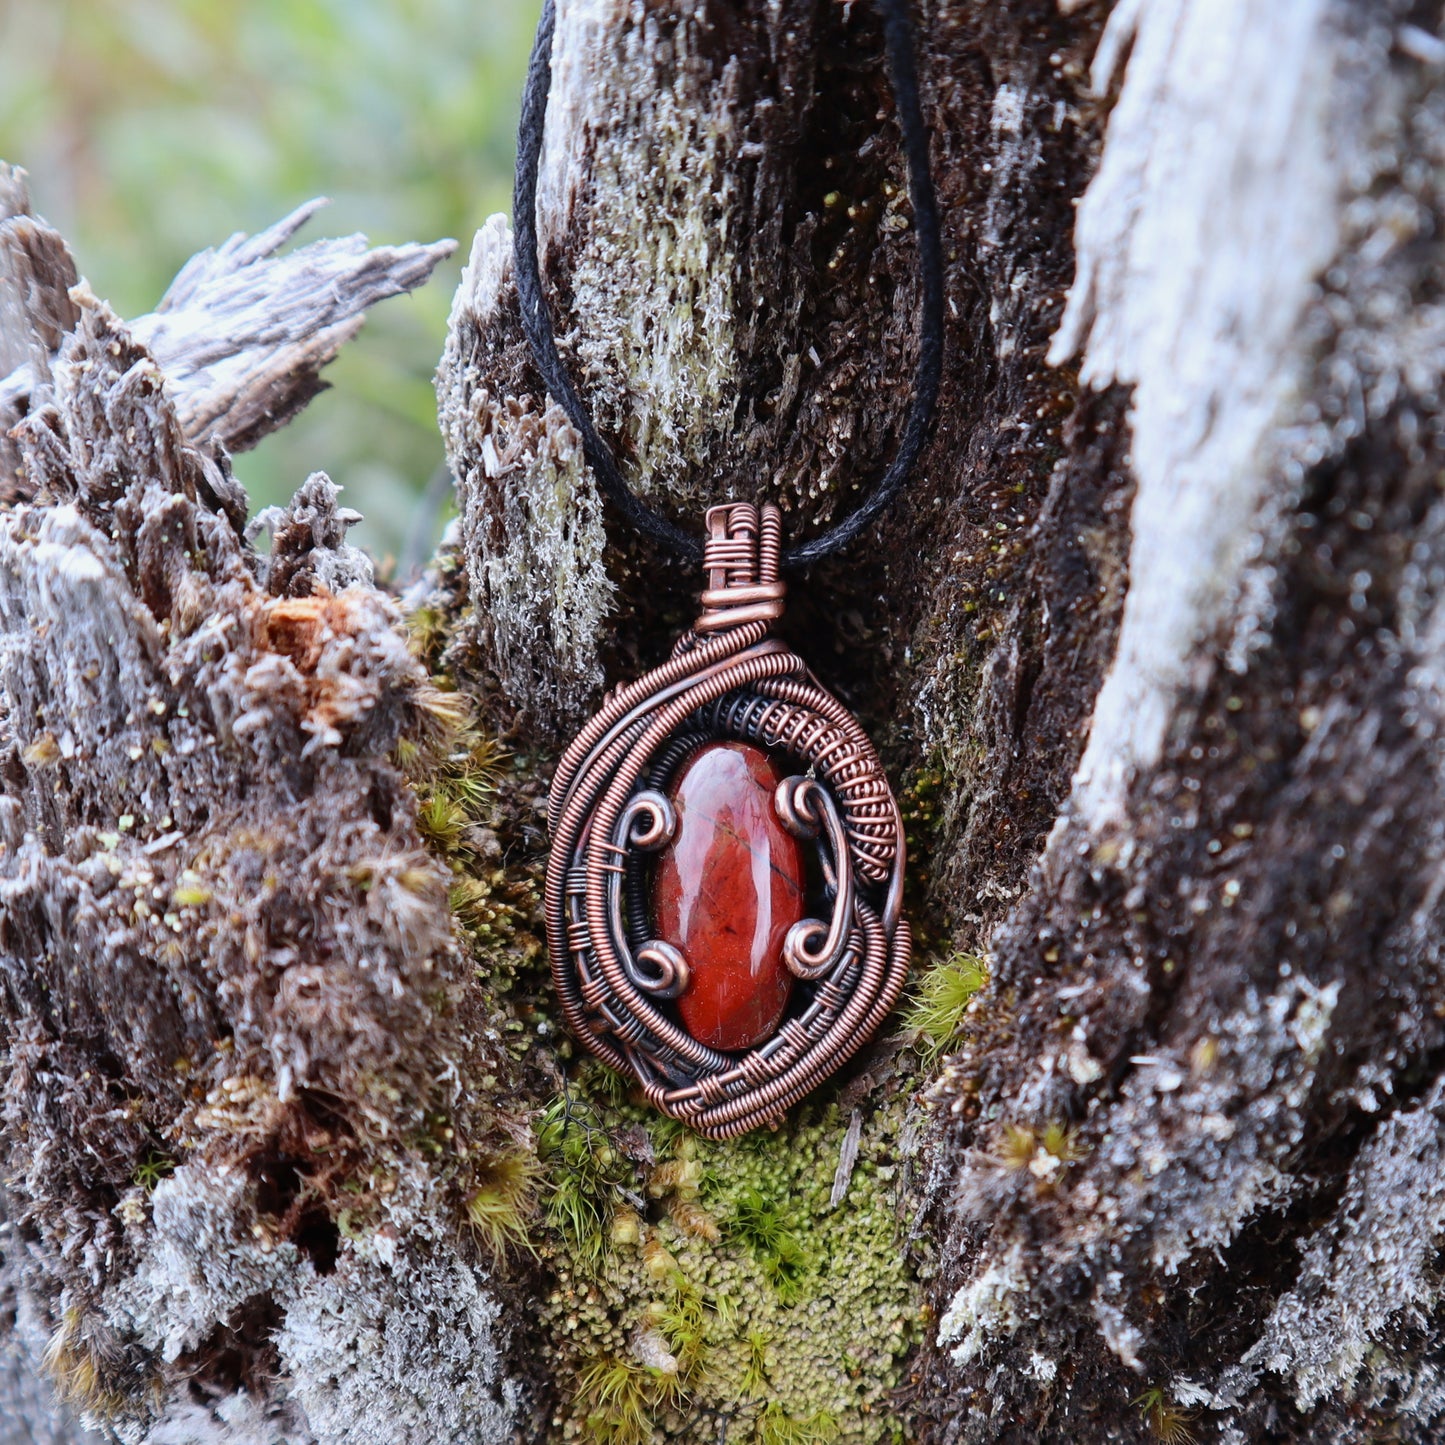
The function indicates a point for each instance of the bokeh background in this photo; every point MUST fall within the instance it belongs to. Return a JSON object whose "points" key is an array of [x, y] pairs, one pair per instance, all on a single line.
{"points": [[154, 128]]}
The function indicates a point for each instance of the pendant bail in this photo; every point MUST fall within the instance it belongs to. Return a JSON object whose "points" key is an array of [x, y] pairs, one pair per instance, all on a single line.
{"points": [[741, 559]]}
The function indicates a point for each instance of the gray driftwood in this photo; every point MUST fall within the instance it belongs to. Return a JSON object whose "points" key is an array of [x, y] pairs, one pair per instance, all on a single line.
{"points": [[1161, 626], [242, 334]]}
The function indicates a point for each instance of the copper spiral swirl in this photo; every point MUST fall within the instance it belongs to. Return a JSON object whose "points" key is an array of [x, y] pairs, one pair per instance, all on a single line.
{"points": [[727, 678]]}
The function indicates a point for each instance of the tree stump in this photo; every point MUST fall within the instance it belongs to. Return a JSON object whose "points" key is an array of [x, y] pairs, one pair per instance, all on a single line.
{"points": [[1153, 646]]}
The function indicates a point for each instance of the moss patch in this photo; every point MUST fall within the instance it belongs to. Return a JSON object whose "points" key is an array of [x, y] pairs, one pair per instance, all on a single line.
{"points": [[704, 1282]]}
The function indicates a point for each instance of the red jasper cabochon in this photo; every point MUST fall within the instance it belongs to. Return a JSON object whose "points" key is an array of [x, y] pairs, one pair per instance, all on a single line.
{"points": [[727, 889]]}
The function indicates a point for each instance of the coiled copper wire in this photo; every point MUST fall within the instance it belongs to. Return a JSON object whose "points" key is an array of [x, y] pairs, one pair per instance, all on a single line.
{"points": [[727, 678]]}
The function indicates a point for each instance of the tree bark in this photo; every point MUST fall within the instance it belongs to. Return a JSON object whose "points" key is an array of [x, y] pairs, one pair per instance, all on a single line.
{"points": [[1152, 646]]}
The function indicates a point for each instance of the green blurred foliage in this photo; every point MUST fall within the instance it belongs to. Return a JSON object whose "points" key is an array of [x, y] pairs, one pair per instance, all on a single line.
{"points": [[154, 128]]}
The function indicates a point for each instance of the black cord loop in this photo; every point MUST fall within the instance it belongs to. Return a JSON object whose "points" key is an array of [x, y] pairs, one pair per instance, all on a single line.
{"points": [[537, 321]]}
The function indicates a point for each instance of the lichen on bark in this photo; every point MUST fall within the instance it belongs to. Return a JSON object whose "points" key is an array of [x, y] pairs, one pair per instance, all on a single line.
{"points": [[230, 1020]]}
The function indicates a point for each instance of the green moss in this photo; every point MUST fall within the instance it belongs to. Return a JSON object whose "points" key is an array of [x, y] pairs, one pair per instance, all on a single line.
{"points": [[1167, 1421], [684, 1322], [778, 1251], [941, 1000], [791, 1319], [426, 629], [585, 1175], [152, 1169], [776, 1427], [757, 1367], [920, 803], [446, 755], [500, 1199], [1044, 1150], [470, 791], [618, 1398], [441, 821]]}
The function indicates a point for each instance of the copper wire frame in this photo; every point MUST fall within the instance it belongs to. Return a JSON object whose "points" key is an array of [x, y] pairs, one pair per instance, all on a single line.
{"points": [[727, 678]]}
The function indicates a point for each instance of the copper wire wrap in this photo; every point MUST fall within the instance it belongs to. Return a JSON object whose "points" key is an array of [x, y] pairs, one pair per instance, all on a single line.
{"points": [[727, 678]]}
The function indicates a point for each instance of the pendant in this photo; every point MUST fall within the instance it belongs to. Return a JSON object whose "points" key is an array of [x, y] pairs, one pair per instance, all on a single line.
{"points": [[725, 883]]}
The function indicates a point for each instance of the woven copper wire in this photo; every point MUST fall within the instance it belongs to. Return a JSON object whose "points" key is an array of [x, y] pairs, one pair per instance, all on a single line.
{"points": [[727, 678]]}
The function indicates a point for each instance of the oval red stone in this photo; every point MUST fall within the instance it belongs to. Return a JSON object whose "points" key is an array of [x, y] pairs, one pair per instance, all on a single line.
{"points": [[727, 889]]}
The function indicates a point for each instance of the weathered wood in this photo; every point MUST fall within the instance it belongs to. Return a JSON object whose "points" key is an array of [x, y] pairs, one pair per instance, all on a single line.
{"points": [[1226, 980], [242, 335], [36, 313], [692, 316], [1153, 646], [228, 961], [1192, 989]]}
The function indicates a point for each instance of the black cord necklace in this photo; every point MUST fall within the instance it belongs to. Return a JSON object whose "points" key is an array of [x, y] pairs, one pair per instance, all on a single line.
{"points": [[724, 888]]}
